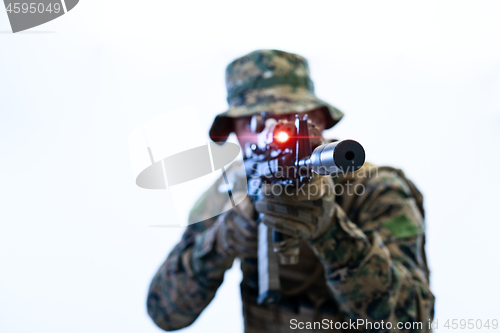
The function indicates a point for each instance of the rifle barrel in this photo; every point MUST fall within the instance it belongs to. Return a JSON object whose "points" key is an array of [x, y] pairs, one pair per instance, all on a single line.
{"points": [[341, 156]]}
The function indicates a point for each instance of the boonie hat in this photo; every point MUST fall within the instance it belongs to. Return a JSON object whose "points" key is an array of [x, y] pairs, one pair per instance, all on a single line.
{"points": [[270, 81]]}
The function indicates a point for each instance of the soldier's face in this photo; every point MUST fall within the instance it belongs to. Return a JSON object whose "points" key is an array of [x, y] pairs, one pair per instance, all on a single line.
{"points": [[245, 134]]}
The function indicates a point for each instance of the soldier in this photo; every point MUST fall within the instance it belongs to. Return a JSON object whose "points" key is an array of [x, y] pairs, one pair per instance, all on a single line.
{"points": [[361, 254]]}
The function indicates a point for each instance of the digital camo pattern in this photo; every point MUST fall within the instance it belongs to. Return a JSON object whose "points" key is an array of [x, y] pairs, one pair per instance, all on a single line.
{"points": [[269, 81], [370, 264]]}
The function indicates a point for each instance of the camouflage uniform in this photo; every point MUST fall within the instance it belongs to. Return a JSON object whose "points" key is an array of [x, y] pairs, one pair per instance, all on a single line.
{"points": [[369, 265]]}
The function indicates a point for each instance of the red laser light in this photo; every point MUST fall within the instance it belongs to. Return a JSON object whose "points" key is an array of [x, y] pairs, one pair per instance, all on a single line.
{"points": [[281, 137]]}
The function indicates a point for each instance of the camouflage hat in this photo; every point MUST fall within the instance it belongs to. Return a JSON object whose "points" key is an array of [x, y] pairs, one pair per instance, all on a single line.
{"points": [[268, 81]]}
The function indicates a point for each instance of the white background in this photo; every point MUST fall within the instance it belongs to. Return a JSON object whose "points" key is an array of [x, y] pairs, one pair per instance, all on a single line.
{"points": [[419, 84]]}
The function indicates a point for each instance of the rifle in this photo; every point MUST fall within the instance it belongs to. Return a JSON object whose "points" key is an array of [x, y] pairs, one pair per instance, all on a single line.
{"points": [[288, 153]]}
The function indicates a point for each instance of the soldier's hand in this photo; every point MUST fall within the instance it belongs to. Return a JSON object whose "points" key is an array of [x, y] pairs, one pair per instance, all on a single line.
{"points": [[304, 212], [237, 231]]}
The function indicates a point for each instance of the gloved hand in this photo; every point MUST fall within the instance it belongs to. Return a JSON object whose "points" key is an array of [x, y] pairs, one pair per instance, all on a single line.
{"points": [[304, 212], [236, 234]]}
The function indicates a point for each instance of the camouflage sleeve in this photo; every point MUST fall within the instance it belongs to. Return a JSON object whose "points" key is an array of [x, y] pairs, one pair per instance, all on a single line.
{"points": [[188, 280], [374, 268]]}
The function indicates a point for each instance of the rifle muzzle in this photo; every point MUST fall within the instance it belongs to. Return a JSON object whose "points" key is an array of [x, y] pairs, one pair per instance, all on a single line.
{"points": [[341, 156]]}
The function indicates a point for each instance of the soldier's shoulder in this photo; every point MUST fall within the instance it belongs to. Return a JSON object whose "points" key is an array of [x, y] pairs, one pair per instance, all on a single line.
{"points": [[213, 200], [382, 198], [373, 177]]}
